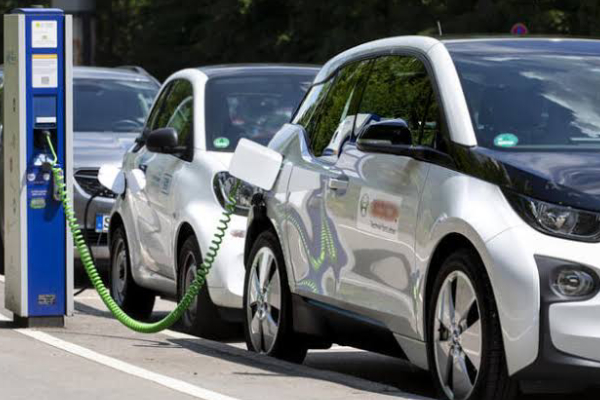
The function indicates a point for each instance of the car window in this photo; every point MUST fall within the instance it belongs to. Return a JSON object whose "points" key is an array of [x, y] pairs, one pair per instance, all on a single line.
{"points": [[534, 101], [251, 107], [400, 88], [158, 109], [175, 109], [106, 105], [332, 122]]}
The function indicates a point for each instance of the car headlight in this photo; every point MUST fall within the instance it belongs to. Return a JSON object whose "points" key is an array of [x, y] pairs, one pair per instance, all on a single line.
{"points": [[555, 220], [222, 185]]}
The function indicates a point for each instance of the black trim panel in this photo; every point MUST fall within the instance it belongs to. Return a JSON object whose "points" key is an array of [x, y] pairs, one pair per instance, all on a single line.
{"points": [[326, 324]]}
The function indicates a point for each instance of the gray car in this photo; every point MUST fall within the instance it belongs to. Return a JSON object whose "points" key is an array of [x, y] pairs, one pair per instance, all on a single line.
{"points": [[110, 108]]}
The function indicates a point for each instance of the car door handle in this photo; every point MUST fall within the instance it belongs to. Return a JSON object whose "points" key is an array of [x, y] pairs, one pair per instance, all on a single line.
{"points": [[336, 184]]}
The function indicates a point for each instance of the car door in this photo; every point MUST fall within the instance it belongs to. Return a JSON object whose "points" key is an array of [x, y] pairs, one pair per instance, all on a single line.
{"points": [[143, 218], [376, 214], [316, 254], [161, 177]]}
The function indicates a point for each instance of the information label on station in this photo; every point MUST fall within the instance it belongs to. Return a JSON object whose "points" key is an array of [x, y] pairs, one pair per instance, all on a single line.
{"points": [[44, 71], [44, 34]]}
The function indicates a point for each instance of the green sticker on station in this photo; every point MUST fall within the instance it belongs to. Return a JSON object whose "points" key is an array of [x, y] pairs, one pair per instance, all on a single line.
{"points": [[37, 203], [221, 142], [506, 140]]}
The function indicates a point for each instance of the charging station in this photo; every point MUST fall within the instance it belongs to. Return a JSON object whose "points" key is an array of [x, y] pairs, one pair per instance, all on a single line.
{"points": [[37, 102]]}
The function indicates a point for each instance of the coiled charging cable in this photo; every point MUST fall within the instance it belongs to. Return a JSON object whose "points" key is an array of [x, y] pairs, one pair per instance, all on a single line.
{"points": [[92, 272]]}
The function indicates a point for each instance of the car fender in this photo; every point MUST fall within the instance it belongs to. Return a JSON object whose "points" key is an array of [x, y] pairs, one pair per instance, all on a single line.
{"points": [[454, 203]]}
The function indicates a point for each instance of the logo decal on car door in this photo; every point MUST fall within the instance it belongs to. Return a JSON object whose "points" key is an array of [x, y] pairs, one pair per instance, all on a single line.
{"points": [[378, 213]]}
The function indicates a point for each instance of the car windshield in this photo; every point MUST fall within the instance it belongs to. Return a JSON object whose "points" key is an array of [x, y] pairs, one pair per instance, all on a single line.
{"points": [[111, 105], [250, 107], [532, 101]]}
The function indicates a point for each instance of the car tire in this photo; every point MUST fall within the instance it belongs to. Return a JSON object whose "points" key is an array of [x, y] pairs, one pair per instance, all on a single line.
{"points": [[135, 300], [268, 303], [465, 348], [202, 318]]}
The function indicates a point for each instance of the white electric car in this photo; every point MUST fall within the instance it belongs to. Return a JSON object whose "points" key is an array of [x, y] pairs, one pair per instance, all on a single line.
{"points": [[458, 225], [158, 235]]}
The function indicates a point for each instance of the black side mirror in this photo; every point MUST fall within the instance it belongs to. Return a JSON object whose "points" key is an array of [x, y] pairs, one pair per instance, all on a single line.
{"points": [[162, 140], [381, 135]]}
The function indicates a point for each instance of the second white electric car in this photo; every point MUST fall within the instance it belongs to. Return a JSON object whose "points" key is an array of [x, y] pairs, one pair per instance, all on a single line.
{"points": [[456, 224], [158, 235]]}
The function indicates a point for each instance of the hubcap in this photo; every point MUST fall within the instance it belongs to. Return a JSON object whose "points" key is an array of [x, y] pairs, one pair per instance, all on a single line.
{"points": [[191, 268], [457, 336], [264, 301], [119, 272]]}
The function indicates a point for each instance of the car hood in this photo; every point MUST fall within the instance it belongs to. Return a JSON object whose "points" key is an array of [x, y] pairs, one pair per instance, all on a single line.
{"points": [[568, 178], [94, 149]]}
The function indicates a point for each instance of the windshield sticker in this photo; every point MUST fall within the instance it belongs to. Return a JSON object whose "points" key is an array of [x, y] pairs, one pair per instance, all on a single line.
{"points": [[221, 143], [379, 213], [506, 140]]}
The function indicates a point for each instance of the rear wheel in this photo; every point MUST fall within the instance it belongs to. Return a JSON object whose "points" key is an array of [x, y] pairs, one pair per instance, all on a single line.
{"points": [[267, 303], [466, 352], [202, 318], [135, 300]]}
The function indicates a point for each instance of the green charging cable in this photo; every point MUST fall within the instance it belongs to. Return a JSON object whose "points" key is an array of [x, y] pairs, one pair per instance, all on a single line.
{"points": [[92, 272]]}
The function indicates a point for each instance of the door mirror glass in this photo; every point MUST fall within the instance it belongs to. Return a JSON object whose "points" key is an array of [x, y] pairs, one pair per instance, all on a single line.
{"points": [[162, 140], [383, 134]]}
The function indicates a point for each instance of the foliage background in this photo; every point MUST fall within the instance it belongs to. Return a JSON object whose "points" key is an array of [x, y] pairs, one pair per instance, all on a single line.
{"points": [[166, 35]]}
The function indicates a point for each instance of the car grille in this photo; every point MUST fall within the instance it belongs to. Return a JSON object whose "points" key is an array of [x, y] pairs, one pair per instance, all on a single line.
{"points": [[95, 238], [87, 179]]}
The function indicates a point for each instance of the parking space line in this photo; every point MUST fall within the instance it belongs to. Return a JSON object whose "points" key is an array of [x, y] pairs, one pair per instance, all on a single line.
{"points": [[171, 383]]}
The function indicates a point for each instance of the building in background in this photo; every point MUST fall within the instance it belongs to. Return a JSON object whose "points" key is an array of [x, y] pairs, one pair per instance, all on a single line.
{"points": [[84, 28]]}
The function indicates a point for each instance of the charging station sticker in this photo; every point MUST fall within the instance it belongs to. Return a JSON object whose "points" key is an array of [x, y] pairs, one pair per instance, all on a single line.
{"points": [[44, 34], [378, 213], [44, 69]]}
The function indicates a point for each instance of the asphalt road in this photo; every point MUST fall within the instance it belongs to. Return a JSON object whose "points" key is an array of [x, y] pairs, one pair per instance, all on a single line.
{"points": [[94, 357]]}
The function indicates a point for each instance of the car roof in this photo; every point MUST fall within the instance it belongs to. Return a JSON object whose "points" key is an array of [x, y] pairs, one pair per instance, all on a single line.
{"points": [[82, 72], [228, 70], [481, 44], [515, 45]]}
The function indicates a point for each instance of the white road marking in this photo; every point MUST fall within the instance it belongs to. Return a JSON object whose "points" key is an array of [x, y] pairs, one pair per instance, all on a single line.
{"points": [[171, 383]]}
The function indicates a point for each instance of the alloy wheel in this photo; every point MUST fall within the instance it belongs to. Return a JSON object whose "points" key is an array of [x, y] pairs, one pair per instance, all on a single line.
{"points": [[264, 301], [457, 336], [119, 272], [190, 275]]}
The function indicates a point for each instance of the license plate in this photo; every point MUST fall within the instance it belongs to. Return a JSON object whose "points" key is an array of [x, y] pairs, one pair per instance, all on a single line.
{"points": [[102, 221]]}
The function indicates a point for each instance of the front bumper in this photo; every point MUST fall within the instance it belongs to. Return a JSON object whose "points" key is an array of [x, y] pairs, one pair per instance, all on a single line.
{"points": [[100, 205], [569, 349], [546, 338]]}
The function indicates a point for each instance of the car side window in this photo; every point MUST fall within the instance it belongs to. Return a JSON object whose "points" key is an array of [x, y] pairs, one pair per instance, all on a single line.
{"points": [[331, 124], [399, 87], [177, 112], [156, 110]]}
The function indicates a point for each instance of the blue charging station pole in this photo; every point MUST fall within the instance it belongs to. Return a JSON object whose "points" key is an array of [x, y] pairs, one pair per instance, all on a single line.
{"points": [[37, 102]]}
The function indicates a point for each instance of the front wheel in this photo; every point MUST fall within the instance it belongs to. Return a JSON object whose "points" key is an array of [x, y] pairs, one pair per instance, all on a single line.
{"points": [[267, 303], [465, 348], [135, 300], [202, 317]]}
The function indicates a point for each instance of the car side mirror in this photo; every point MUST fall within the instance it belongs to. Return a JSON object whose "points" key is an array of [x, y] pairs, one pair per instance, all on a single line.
{"points": [[381, 136], [162, 140]]}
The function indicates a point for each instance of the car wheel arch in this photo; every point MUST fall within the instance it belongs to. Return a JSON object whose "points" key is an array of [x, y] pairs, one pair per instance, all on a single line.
{"points": [[184, 231], [446, 246], [260, 223]]}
